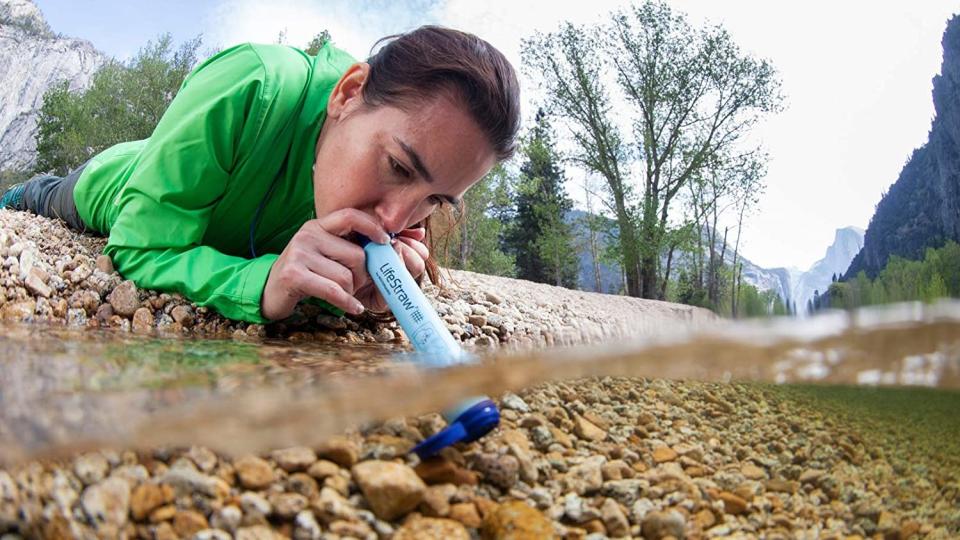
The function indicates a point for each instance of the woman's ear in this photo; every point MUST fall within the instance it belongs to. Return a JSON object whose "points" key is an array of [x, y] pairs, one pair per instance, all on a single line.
{"points": [[347, 95]]}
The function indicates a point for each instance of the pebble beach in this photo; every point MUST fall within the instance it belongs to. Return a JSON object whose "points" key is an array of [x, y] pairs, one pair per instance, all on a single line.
{"points": [[594, 458]]}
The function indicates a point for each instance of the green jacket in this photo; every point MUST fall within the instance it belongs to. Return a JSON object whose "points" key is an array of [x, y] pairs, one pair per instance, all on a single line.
{"points": [[179, 205]]}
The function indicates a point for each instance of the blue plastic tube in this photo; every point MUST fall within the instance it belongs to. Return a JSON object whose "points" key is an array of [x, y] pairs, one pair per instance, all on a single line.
{"points": [[473, 417], [424, 328]]}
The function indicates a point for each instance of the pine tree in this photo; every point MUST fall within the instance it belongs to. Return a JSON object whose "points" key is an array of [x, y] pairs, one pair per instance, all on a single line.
{"points": [[540, 238]]}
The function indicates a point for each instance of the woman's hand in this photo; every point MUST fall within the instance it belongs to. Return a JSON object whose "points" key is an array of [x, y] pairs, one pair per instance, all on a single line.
{"points": [[319, 262], [414, 254]]}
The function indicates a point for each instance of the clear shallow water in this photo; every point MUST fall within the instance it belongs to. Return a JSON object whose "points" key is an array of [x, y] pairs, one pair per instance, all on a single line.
{"points": [[65, 390]]}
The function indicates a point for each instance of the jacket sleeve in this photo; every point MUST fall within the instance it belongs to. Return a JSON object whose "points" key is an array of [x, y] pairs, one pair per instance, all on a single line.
{"points": [[181, 173]]}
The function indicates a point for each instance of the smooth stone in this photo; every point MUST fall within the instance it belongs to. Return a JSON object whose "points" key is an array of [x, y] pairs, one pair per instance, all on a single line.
{"points": [[294, 459], [392, 489], [339, 450], [124, 298], [516, 520], [253, 472], [107, 503], [587, 430], [657, 525], [502, 471], [614, 519], [147, 497], [429, 527]]}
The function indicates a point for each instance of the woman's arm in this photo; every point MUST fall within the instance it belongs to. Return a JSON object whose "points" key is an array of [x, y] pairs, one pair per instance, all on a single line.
{"points": [[181, 174]]}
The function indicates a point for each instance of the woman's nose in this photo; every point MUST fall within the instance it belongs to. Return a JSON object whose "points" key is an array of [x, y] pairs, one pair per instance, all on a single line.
{"points": [[395, 215]]}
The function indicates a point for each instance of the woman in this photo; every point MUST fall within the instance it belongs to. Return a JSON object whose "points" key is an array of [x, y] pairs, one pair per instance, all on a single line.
{"points": [[267, 160]]}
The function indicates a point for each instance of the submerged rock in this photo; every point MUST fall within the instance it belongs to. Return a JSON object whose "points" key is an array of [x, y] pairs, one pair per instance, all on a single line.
{"points": [[106, 504], [516, 520], [392, 489]]}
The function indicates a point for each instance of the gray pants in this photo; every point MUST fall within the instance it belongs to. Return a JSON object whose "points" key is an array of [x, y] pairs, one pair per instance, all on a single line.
{"points": [[52, 196]]}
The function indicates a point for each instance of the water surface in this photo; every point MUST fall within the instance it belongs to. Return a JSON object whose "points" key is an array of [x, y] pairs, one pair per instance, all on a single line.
{"points": [[63, 390]]}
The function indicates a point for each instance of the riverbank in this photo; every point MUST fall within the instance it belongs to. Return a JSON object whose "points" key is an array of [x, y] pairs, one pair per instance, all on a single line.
{"points": [[589, 458], [53, 275], [592, 458]]}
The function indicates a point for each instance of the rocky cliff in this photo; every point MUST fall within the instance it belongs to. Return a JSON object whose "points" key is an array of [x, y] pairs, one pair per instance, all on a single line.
{"points": [[847, 242], [922, 208], [32, 59]]}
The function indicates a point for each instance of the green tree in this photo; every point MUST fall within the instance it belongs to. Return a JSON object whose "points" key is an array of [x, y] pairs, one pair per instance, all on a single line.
{"points": [[937, 275], [123, 103], [555, 245], [934, 288], [950, 267], [317, 42], [899, 278], [540, 238], [474, 238], [692, 95]]}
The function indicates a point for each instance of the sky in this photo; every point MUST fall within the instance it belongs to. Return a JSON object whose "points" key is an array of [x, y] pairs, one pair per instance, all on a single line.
{"points": [[856, 76]]}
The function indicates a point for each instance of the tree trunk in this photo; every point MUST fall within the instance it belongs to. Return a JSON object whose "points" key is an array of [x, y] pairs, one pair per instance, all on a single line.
{"points": [[558, 266], [464, 244], [591, 223], [594, 254], [666, 272], [631, 255], [736, 251], [650, 252]]}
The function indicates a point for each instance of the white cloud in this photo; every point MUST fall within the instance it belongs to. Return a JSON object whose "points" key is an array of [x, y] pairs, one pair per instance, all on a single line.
{"points": [[354, 25]]}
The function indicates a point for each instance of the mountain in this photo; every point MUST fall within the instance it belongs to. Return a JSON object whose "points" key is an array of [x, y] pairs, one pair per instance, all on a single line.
{"points": [[611, 279], [847, 242], [922, 208], [778, 280], [791, 284], [33, 59]]}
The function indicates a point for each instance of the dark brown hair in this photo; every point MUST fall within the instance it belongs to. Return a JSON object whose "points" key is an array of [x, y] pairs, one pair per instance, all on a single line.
{"points": [[430, 61]]}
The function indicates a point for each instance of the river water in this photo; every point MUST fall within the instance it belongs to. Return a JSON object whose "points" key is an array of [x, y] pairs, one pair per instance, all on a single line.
{"points": [[62, 391]]}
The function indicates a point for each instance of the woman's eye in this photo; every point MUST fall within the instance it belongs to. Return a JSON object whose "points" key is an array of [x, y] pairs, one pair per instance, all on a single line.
{"points": [[398, 168]]}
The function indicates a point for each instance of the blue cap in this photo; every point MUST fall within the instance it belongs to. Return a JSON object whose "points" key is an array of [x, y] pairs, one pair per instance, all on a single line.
{"points": [[473, 423]]}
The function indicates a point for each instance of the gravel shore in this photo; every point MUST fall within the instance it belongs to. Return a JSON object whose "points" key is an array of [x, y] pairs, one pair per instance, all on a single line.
{"points": [[587, 459], [51, 274]]}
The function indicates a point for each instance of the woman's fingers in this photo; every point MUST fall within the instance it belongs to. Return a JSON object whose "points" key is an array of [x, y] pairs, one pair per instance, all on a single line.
{"points": [[332, 270], [347, 220], [419, 247], [414, 233], [349, 254], [321, 287], [411, 257]]}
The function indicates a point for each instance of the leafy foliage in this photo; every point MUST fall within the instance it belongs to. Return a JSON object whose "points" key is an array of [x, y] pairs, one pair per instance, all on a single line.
{"points": [[539, 237], [124, 103], [935, 276], [691, 97], [317, 43], [472, 241]]}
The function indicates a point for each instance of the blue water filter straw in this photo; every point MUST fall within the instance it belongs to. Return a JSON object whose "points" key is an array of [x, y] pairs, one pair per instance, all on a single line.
{"points": [[470, 419]]}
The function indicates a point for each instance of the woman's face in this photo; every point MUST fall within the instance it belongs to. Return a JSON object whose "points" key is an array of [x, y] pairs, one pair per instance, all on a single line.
{"points": [[396, 165]]}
